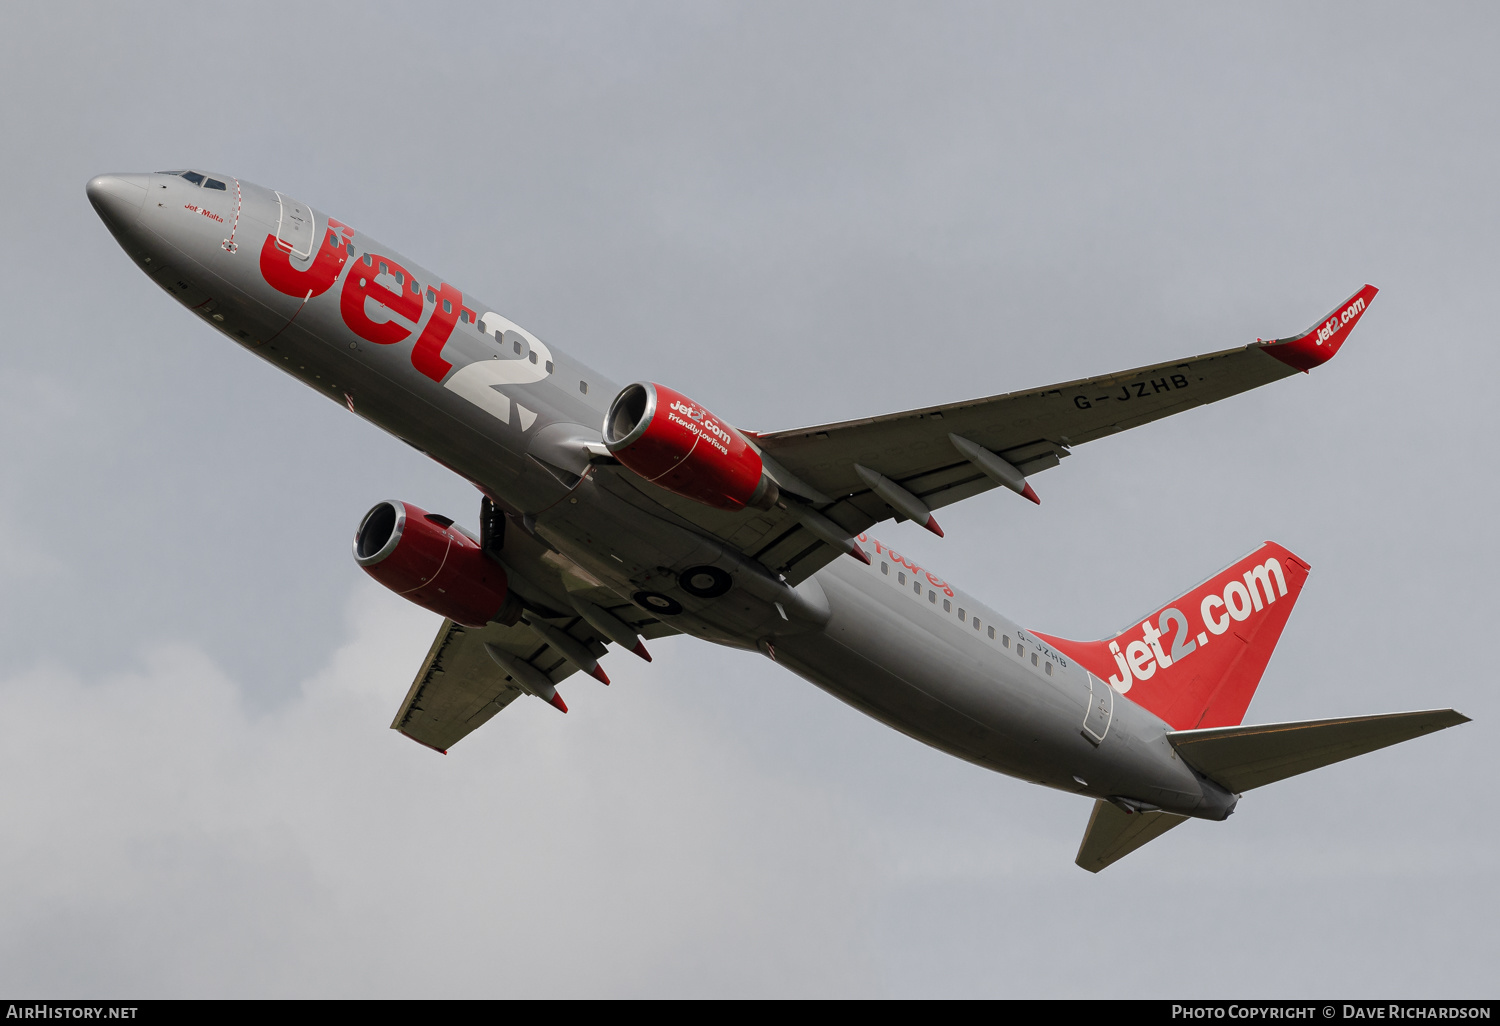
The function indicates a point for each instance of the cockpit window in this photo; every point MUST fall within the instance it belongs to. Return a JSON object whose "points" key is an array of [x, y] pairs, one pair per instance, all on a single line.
{"points": [[213, 183], [193, 177]]}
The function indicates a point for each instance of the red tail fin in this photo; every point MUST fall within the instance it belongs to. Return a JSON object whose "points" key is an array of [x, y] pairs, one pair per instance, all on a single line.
{"points": [[1197, 661]]}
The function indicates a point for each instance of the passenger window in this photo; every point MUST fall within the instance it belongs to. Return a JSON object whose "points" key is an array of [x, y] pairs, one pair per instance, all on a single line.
{"points": [[213, 183], [369, 260], [961, 615], [992, 634], [549, 366], [432, 295], [885, 568], [947, 606], [1020, 652], [517, 344], [333, 239], [415, 288], [583, 386], [976, 627], [193, 177], [1049, 669], [916, 586], [931, 596], [1033, 659], [447, 306], [532, 357], [385, 268], [900, 578]]}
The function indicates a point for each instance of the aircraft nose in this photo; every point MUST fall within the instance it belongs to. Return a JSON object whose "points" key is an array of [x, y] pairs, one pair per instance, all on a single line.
{"points": [[118, 199]]}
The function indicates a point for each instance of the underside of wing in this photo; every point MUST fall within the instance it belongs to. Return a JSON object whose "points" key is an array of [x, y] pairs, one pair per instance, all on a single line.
{"points": [[847, 477], [470, 674]]}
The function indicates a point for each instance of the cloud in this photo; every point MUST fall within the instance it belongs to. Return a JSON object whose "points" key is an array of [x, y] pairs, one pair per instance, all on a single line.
{"points": [[161, 840]]}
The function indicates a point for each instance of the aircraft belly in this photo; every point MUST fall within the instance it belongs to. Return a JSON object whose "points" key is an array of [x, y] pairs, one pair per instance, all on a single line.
{"points": [[882, 662], [643, 556], [949, 692]]}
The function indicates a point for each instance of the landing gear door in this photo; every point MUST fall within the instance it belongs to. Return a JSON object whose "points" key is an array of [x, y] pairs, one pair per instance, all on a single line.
{"points": [[1101, 711], [296, 229]]}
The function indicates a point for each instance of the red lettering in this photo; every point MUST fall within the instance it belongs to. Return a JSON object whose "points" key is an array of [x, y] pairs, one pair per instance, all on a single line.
{"points": [[361, 285], [427, 354], [276, 265]]}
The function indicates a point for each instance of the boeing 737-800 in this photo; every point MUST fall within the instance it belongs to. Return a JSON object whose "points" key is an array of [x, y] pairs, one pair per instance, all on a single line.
{"points": [[615, 515]]}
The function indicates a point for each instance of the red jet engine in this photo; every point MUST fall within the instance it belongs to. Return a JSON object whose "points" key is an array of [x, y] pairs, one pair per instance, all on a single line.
{"points": [[673, 442], [421, 556]]}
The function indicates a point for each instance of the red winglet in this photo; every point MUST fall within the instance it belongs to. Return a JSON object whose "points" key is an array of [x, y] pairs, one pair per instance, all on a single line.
{"points": [[598, 673], [932, 525], [640, 650], [556, 700], [1318, 344]]}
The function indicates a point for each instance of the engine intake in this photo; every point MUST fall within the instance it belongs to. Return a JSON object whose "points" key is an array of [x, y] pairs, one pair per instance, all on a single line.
{"points": [[423, 557], [673, 442]]}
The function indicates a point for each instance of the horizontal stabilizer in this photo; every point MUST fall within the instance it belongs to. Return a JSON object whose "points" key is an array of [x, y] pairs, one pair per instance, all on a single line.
{"points": [[1239, 758], [1114, 833]]}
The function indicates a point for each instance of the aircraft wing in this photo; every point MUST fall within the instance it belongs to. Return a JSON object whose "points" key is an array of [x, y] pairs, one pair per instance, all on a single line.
{"points": [[462, 683], [942, 454], [1030, 431]]}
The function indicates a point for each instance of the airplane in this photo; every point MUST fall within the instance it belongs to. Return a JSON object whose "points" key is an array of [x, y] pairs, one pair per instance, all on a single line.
{"points": [[615, 515]]}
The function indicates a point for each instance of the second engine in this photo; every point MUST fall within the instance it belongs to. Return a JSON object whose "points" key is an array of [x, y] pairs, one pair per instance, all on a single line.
{"points": [[423, 557]]}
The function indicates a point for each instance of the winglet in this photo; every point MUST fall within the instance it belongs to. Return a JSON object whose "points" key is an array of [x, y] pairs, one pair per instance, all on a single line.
{"points": [[1318, 344]]}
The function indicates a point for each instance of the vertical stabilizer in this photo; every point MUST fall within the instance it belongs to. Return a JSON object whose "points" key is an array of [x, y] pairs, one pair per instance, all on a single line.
{"points": [[1197, 661]]}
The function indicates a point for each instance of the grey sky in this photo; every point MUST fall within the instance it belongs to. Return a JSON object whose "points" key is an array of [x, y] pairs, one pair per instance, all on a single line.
{"points": [[794, 213]]}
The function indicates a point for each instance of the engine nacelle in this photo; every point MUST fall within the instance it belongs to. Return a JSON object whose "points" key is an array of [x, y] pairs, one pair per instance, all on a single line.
{"points": [[421, 556], [673, 442]]}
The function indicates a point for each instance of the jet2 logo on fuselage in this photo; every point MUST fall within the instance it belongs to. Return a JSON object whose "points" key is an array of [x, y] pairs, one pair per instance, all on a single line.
{"points": [[405, 304]]}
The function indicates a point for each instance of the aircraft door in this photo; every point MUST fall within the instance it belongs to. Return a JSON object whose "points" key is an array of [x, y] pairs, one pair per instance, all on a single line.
{"points": [[1101, 711], [296, 228]]}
